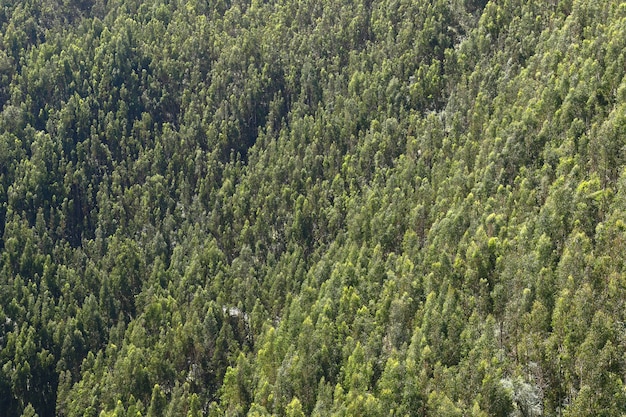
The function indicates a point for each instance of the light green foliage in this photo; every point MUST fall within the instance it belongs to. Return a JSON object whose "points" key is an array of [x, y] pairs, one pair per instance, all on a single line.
{"points": [[344, 208]]}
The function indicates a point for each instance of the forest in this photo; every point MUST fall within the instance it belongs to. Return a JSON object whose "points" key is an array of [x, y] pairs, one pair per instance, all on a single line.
{"points": [[370, 208]]}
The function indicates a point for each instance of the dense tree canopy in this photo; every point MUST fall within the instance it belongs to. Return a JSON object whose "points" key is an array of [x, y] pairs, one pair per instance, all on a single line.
{"points": [[312, 208]]}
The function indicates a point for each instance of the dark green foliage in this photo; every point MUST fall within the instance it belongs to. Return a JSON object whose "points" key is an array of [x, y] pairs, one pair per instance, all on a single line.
{"points": [[312, 208]]}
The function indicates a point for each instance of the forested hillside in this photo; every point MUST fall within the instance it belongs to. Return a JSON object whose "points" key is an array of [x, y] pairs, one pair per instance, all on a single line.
{"points": [[312, 208]]}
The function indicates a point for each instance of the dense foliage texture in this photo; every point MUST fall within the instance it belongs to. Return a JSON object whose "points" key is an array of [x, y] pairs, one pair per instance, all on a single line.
{"points": [[312, 207]]}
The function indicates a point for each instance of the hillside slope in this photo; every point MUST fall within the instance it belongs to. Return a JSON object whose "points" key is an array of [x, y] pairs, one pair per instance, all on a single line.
{"points": [[348, 208]]}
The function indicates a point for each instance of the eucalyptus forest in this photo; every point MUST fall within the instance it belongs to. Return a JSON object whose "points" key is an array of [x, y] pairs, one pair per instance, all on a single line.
{"points": [[312, 208]]}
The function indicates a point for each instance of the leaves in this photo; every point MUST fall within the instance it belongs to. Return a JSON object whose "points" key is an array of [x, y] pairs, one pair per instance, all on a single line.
{"points": [[311, 208]]}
